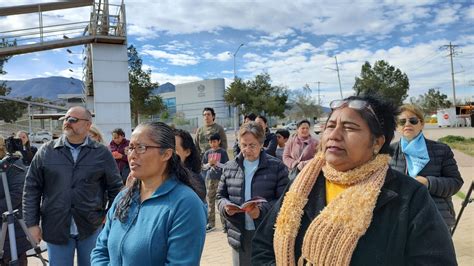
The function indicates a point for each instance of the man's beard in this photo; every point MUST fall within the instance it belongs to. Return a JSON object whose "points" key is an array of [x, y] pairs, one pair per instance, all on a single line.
{"points": [[69, 132]]}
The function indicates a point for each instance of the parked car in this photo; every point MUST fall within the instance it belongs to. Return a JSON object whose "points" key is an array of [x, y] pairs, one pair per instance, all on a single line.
{"points": [[319, 127], [41, 136], [290, 126]]}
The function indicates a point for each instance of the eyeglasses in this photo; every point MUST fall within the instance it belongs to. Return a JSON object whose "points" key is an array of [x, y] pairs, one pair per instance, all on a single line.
{"points": [[71, 119], [412, 120], [139, 149], [354, 104], [250, 146]]}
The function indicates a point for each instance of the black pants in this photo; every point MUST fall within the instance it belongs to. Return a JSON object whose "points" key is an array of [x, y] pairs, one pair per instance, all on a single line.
{"points": [[243, 256]]}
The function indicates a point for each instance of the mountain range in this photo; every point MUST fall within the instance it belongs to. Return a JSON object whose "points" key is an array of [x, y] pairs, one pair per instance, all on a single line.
{"points": [[47, 88]]}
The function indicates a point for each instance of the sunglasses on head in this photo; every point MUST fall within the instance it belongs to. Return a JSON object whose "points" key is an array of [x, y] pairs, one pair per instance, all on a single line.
{"points": [[71, 119], [354, 104], [411, 120]]}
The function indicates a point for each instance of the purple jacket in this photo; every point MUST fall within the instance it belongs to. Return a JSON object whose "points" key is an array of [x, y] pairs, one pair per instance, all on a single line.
{"points": [[293, 149], [121, 163]]}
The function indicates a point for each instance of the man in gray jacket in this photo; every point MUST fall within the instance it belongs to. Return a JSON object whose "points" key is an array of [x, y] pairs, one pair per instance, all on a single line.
{"points": [[66, 189]]}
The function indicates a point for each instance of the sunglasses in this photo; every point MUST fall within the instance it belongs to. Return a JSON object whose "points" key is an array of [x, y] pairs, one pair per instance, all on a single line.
{"points": [[411, 120], [354, 104], [71, 119]]}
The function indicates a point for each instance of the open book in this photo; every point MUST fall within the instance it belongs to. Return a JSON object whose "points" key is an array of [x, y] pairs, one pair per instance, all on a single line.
{"points": [[247, 203]]}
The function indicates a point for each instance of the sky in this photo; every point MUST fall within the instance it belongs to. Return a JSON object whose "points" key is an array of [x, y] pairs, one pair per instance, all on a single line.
{"points": [[296, 42]]}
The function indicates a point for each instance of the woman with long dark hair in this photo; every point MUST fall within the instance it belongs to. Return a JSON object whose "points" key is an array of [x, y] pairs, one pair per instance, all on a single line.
{"points": [[159, 219], [189, 155]]}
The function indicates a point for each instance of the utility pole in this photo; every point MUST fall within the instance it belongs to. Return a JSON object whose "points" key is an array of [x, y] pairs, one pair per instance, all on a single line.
{"points": [[338, 77], [451, 54], [319, 95]]}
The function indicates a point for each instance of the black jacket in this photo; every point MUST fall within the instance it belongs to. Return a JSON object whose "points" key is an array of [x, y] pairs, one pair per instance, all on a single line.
{"points": [[269, 181], [16, 178], [406, 228], [442, 173], [270, 144], [68, 189]]}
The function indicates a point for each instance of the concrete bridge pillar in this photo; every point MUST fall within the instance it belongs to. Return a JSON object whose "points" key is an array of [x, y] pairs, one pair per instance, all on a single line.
{"points": [[111, 103]]}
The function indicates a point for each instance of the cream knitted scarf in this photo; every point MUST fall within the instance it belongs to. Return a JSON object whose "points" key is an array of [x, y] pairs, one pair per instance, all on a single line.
{"points": [[333, 235]]}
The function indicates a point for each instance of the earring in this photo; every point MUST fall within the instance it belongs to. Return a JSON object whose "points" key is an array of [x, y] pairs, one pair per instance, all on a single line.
{"points": [[376, 152]]}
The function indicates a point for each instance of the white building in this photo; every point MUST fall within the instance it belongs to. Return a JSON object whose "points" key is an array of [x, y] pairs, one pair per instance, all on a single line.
{"points": [[189, 99]]}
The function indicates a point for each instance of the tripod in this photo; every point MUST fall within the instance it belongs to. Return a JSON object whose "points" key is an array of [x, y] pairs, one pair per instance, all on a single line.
{"points": [[8, 219], [466, 201]]}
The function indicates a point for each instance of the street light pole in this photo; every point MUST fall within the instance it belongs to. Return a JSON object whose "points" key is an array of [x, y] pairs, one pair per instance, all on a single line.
{"points": [[236, 108], [235, 54]]}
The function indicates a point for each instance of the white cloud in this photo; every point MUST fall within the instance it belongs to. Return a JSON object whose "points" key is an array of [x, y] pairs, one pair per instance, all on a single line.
{"points": [[447, 15], [173, 59], [469, 13], [162, 78], [224, 56]]}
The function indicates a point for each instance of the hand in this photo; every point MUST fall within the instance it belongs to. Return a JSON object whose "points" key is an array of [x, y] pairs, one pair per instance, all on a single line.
{"points": [[36, 234], [422, 180], [231, 210], [212, 162], [253, 211], [117, 155]]}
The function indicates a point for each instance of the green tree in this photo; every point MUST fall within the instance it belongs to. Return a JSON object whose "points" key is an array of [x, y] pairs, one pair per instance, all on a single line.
{"points": [[10, 111], [141, 99], [431, 101], [383, 80], [257, 95]]}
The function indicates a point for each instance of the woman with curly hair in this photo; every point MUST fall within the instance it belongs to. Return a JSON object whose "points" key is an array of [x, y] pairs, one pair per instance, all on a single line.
{"points": [[348, 207]]}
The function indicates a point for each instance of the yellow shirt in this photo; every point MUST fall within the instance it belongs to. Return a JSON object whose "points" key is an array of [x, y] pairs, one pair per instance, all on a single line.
{"points": [[333, 190]]}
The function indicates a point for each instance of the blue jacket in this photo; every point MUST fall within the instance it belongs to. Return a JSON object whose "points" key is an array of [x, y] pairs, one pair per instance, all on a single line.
{"points": [[169, 228]]}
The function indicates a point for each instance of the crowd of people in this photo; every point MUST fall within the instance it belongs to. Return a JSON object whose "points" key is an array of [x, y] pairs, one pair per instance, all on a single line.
{"points": [[352, 197]]}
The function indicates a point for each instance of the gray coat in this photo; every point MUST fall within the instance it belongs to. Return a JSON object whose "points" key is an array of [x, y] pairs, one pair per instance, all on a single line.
{"points": [[442, 173], [269, 182], [68, 189]]}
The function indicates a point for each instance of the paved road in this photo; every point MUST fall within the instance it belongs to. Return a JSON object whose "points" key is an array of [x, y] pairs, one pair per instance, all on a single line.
{"points": [[217, 251]]}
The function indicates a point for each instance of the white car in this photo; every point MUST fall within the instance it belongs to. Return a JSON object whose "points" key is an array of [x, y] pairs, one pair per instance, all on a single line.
{"points": [[290, 126], [41, 136]]}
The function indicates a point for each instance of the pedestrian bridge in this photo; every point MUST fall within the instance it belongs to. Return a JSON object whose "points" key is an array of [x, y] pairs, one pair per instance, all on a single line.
{"points": [[102, 31]]}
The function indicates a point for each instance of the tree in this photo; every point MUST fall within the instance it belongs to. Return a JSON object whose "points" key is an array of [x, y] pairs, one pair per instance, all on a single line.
{"points": [[141, 99], [383, 80], [9, 111], [307, 106], [431, 101], [258, 96]]}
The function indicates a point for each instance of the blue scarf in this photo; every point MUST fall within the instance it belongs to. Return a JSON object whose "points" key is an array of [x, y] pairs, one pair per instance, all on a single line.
{"points": [[416, 154]]}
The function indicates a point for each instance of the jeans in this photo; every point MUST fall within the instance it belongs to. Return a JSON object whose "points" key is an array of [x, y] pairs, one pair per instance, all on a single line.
{"points": [[63, 255]]}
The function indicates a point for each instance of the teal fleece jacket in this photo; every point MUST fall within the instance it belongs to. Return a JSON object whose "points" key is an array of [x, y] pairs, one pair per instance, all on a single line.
{"points": [[169, 228]]}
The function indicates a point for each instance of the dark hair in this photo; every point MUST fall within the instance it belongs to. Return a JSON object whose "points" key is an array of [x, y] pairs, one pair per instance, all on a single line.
{"points": [[119, 132], [386, 113], [263, 118], [250, 116], [210, 109], [215, 136], [283, 132], [302, 122], [162, 135], [193, 161]]}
